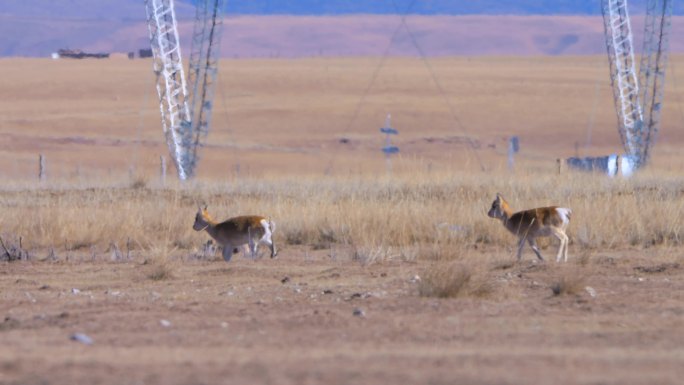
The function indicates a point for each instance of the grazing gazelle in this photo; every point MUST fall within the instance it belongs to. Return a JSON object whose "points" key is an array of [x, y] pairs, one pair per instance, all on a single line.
{"points": [[533, 223], [238, 231]]}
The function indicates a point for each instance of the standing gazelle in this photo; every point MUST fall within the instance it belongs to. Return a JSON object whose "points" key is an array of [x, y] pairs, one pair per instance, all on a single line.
{"points": [[237, 231], [533, 223]]}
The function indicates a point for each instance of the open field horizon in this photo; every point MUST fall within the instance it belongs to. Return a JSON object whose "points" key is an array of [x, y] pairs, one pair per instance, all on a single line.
{"points": [[381, 276]]}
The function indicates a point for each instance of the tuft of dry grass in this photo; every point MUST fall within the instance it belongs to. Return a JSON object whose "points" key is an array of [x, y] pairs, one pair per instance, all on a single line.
{"points": [[370, 254], [452, 280], [159, 269], [569, 283], [12, 250], [139, 182], [157, 263], [583, 258]]}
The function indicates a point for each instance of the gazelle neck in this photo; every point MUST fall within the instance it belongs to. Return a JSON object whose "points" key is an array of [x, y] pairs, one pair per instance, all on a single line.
{"points": [[211, 229], [507, 213]]}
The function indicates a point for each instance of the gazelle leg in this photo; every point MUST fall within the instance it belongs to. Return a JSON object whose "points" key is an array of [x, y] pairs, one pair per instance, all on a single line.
{"points": [[251, 243], [268, 239], [565, 250], [227, 252], [561, 237], [520, 247], [271, 245], [533, 245], [274, 251], [253, 247], [271, 228]]}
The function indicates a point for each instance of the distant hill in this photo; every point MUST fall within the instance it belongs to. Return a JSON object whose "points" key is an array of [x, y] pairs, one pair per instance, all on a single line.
{"points": [[424, 7], [131, 9], [296, 28], [427, 7]]}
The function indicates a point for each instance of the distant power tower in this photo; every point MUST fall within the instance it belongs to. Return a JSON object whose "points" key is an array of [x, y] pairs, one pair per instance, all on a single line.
{"points": [[638, 99], [203, 68], [171, 87], [185, 117]]}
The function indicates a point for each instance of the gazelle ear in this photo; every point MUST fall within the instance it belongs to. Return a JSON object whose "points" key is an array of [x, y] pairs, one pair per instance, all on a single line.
{"points": [[498, 196], [205, 208]]}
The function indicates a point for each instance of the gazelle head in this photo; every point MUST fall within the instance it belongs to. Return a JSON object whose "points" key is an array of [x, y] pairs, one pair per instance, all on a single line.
{"points": [[499, 208], [202, 219]]}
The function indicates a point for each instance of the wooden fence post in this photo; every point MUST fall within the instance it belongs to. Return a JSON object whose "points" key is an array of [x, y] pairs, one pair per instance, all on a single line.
{"points": [[41, 167], [162, 161]]}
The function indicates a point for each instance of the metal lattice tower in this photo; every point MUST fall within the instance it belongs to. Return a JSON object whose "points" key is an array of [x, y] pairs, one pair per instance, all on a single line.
{"points": [[652, 68], [171, 86], [618, 32], [203, 68], [638, 99]]}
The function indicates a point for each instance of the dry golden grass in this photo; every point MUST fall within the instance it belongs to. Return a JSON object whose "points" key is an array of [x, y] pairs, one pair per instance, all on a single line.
{"points": [[460, 279], [158, 269], [405, 217]]}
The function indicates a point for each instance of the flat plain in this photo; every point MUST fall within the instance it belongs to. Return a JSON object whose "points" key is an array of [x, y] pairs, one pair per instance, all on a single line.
{"points": [[382, 276]]}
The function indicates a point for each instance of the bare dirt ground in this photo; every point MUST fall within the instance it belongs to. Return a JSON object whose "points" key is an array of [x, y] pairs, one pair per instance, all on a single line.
{"points": [[309, 317]]}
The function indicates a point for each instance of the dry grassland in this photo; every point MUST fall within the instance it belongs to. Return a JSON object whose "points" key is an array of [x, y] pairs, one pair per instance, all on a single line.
{"points": [[100, 119], [391, 217], [381, 277]]}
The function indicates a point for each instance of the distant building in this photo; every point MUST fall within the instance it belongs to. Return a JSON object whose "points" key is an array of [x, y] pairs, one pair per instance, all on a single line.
{"points": [[78, 54], [145, 52]]}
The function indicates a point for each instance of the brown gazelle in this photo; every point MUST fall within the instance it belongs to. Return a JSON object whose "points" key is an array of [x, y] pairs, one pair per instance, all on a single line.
{"points": [[238, 231], [533, 223]]}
